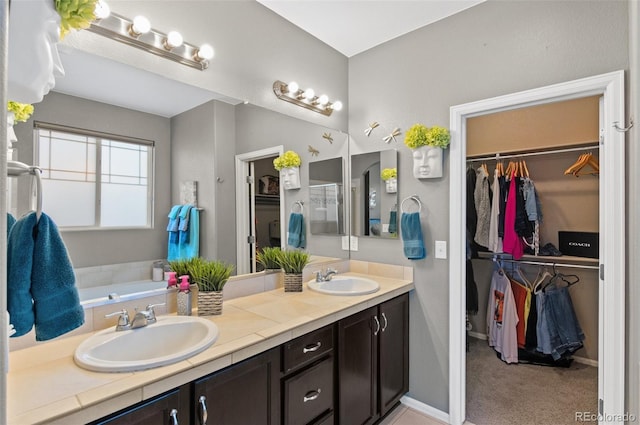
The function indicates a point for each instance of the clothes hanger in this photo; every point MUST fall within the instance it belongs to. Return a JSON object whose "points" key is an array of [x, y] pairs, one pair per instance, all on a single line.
{"points": [[593, 163]]}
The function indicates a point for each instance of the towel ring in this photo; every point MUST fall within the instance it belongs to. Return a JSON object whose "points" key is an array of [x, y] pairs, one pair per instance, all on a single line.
{"points": [[413, 198], [300, 205], [16, 168]]}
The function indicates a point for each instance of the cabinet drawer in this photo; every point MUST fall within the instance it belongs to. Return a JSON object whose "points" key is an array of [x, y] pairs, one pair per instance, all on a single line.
{"points": [[307, 348], [309, 394]]}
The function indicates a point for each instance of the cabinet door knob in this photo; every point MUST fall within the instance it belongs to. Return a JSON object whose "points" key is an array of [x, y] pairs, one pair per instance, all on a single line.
{"points": [[311, 395], [203, 410], [375, 319], [384, 327], [173, 416], [312, 347]]}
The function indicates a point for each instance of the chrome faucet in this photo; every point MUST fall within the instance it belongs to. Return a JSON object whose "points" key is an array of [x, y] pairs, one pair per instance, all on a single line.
{"points": [[327, 276], [140, 320]]}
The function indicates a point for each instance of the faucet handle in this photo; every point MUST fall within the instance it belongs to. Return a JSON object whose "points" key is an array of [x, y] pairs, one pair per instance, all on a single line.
{"points": [[123, 320], [151, 313]]}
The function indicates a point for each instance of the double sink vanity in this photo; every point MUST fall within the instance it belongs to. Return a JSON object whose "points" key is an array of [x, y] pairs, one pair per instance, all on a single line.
{"points": [[320, 356]]}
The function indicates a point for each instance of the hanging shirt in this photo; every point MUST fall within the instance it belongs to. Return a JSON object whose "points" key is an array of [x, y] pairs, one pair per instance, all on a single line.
{"points": [[483, 207], [495, 241], [502, 318], [511, 244], [520, 296]]}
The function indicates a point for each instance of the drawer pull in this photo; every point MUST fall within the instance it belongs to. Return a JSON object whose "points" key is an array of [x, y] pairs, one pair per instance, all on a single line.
{"points": [[375, 319], [312, 347], [203, 410], [384, 327], [311, 395], [173, 416]]}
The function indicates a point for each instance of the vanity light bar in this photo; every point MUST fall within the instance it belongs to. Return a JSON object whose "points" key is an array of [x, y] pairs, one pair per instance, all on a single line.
{"points": [[170, 46], [306, 98]]}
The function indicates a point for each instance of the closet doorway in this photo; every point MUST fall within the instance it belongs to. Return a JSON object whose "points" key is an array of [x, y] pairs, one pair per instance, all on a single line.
{"points": [[611, 279], [259, 201]]}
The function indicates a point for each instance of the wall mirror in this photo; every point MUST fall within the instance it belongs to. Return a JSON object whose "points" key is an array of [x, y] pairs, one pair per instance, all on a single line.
{"points": [[326, 197], [374, 202], [77, 97]]}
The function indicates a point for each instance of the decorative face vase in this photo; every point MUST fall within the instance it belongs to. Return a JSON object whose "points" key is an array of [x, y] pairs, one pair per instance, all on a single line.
{"points": [[33, 62], [290, 177], [391, 185], [427, 162]]}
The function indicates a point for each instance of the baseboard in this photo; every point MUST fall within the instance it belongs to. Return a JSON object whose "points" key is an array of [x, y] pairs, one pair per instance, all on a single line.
{"points": [[582, 360], [425, 409]]}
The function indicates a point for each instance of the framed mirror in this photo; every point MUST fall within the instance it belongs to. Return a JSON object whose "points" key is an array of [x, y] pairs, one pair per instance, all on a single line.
{"points": [[374, 194], [326, 197]]}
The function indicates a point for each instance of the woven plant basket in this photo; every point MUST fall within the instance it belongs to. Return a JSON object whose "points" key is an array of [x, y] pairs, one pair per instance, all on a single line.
{"points": [[293, 282], [210, 303]]}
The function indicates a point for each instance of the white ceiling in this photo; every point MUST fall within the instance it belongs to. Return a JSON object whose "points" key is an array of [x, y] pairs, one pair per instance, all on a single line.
{"points": [[349, 26], [353, 26]]}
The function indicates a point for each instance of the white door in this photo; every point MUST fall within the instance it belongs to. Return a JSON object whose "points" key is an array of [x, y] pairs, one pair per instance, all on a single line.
{"points": [[246, 208], [611, 311]]}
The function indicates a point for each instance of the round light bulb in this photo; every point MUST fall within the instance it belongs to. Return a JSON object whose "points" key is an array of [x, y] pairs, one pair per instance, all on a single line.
{"points": [[309, 93], [174, 39], [205, 52], [141, 25], [293, 87], [102, 10], [323, 99], [337, 105]]}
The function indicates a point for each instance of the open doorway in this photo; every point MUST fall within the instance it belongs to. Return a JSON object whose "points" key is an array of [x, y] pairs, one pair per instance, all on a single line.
{"points": [[259, 201], [611, 234]]}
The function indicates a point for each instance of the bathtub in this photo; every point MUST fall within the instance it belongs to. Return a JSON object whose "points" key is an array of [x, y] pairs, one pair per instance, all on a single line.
{"points": [[99, 295]]}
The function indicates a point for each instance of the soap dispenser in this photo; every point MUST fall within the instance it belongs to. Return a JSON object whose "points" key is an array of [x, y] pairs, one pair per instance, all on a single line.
{"points": [[172, 281], [184, 297]]}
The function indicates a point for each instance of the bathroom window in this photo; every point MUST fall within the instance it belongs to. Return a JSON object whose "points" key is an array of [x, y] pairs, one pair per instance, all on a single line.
{"points": [[94, 180]]}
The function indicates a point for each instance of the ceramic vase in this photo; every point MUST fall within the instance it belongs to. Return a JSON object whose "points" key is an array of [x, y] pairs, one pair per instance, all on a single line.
{"points": [[290, 177], [427, 162], [391, 185]]}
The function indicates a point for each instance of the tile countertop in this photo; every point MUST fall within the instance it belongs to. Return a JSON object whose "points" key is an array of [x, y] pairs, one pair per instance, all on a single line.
{"points": [[46, 386]]}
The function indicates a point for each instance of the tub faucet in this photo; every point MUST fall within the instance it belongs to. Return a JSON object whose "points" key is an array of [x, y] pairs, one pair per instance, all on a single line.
{"points": [[327, 276]]}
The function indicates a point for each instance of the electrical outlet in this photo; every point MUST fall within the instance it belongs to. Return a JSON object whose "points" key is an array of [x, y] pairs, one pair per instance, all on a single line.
{"points": [[441, 249], [345, 243], [354, 243]]}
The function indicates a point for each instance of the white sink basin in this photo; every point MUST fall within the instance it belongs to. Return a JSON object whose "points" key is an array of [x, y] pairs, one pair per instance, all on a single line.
{"points": [[345, 285], [169, 340]]}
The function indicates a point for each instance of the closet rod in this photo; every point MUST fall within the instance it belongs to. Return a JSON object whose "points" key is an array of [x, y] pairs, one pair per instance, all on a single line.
{"points": [[498, 156], [541, 263]]}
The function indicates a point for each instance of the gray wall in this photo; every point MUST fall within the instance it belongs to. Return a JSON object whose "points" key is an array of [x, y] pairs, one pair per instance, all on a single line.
{"points": [[492, 49], [91, 248]]}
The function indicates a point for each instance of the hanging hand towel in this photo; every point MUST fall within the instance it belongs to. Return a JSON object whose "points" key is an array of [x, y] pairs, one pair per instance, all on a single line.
{"points": [[297, 237], [183, 227], [393, 222], [11, 220], [40, 280], [172, 228], [189, 246], [411, 230]]}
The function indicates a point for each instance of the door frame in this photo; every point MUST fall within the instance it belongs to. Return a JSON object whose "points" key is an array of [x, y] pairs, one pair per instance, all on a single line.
{"points": [[243, 205], [611, 343]]}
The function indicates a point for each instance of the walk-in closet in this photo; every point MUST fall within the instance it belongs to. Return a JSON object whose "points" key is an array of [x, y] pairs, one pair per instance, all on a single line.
{"points": [[532, 343], [267, 204]]}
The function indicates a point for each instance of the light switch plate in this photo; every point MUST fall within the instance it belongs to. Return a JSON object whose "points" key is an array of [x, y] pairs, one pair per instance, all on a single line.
{"points": [[441, 249], [345, 243], [354, 243]]}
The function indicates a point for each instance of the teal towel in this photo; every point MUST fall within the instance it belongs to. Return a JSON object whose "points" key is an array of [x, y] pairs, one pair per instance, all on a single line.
{"points": [[174, 221], [413, 245], [41, 284], [393, 222], [189, 246], [297, 235], [11, 220]]}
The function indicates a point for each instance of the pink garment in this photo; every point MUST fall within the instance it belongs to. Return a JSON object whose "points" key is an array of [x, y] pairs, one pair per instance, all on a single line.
{"points": [[511, 242], [502, 318]]}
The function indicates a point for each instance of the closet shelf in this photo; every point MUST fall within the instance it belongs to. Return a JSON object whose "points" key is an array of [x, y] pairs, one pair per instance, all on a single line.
{"points": [[268, 199], [565, 259]]}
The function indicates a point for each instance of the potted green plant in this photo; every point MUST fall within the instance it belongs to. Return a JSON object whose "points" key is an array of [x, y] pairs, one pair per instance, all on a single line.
{"points": [[268, 257], [288, 164], [427, 145], [210, 276], [292, 263], [390, 177]]}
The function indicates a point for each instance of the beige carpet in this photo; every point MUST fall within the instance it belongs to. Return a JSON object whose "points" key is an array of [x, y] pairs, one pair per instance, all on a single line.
{"points": [[502, 394]]}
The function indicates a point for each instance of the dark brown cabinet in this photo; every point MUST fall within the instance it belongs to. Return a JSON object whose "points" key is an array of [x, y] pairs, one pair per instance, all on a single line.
{"points": [[373, 361], [246, 393], [169, 408]]}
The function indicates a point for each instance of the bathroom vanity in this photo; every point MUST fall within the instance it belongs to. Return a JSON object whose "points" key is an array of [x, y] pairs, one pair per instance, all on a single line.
{"points": [[281, 358]]}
